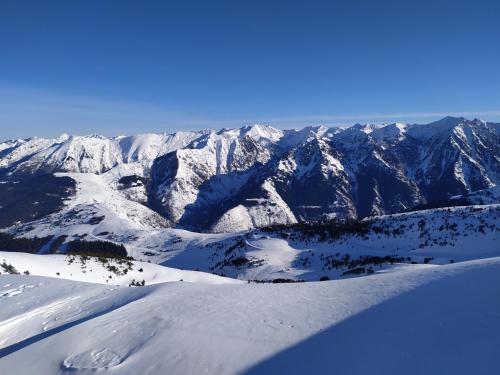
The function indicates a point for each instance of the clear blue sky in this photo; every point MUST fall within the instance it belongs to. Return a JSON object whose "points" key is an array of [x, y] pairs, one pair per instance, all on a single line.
{"points": [[116, 67]]}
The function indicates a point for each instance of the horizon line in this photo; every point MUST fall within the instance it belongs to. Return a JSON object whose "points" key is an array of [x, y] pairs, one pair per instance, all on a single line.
{"points": [[440, 115]]}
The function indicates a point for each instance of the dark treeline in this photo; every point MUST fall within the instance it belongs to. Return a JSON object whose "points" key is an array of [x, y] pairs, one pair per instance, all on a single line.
{"points": [[331, 230], [276, 281], [96, 249], [28, 197], [76, 247], [338, 262], [22, 244]]}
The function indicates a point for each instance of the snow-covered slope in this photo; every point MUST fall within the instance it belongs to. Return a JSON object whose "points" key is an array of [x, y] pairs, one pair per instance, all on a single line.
{"points": [[311, 251], [485, 196], [96, 207], [109, 271], [441, 319], [100, 211], [210, 170], [456, 154]]}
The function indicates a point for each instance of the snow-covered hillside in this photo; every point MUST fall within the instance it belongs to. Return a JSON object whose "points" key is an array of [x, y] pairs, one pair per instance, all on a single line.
{"points": [[434, 320], [100, 212], [100, 270], [311, 251]]}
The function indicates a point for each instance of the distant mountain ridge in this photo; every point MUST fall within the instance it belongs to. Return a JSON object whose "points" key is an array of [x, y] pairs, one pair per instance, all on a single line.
{"points": [[254, 176]]}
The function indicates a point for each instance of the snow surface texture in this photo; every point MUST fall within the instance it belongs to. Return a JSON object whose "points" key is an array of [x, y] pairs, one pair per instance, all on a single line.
{"points": [[434, 320]]}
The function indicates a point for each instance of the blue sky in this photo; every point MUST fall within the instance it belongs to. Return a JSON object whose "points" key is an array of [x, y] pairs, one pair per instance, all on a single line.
{"points": [[122, 67]]}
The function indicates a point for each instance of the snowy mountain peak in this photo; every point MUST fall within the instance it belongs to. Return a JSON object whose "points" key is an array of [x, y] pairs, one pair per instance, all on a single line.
{"points": [[264, 133], [444, 127], [63, 137], [390, 132]]}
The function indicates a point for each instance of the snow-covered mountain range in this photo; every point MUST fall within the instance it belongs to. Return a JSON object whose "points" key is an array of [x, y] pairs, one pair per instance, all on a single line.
{"points": [[229, 216], [237, 179]]}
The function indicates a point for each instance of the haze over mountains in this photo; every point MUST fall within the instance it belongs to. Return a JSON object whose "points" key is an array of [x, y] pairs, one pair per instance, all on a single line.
{"points": [[254, 176]]}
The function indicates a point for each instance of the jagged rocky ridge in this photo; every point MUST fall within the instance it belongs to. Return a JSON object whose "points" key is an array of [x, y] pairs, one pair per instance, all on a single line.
{"points": [[255, 176]]}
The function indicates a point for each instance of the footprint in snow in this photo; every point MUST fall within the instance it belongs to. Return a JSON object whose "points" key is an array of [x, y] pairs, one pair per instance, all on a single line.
{"points": [[15, 291]]}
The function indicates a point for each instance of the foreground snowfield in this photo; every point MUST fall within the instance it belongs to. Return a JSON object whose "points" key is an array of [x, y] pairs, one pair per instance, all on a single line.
{"points": [[425, 320]]}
